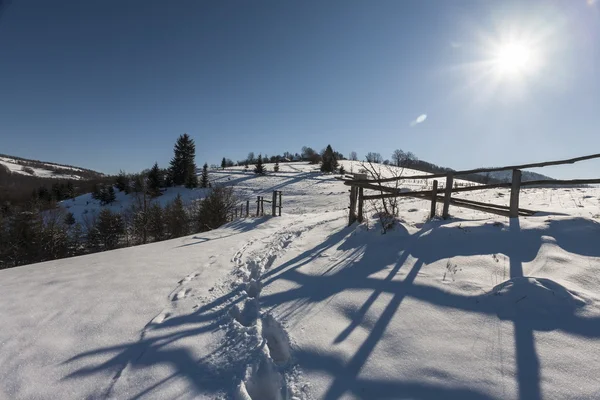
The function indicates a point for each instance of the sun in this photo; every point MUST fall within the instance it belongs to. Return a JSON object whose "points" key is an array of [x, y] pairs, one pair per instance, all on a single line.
{"points": [[513, 58]]}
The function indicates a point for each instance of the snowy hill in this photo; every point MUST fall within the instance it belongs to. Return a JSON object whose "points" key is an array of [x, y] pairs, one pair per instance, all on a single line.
{"points": [[304, 307], [41, 169], [506, 176]]}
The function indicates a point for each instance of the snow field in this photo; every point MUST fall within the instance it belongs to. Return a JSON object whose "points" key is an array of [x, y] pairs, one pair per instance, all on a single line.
{"points": [[304, 307]]}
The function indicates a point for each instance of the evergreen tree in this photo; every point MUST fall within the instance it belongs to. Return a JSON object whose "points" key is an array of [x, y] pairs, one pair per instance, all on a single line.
{"points": [[259, 168], [177, 220], [122, 182], [223, 163], [183, 165], [154, 181], [204, 177], [276, 167], [191, 180], [329, 162], [70, 190], [109, 195], [96, 192], [216, 208], [107, 231], [69, 219], [342, 170], [156, 223]]}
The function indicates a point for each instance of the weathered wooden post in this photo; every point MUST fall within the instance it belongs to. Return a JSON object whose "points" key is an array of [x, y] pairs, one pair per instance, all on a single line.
{"points": [[433, 199], [352, 214], [448, 194], [514, 194], [262, 206], [235, 211], [360, 204], [257, 206], [280, 205], [274, 204], [247, 208]]}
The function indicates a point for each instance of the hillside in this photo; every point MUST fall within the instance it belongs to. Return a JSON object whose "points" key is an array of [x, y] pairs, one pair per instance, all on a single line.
{"points": [[304, 307], [506, 176], [42, 169]]}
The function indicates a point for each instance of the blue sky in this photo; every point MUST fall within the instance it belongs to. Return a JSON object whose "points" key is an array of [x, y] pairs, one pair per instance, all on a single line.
{"points": [[111, 84]]}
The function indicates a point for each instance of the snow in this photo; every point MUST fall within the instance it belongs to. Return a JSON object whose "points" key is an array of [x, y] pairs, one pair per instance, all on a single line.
{"points": [[14, 167], [85, 208], [304, 307]]}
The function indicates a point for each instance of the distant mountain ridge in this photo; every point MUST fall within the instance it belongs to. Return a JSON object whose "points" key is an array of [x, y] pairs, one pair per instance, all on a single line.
{"points": [[479, 177], [506, 176], [44, 169]]}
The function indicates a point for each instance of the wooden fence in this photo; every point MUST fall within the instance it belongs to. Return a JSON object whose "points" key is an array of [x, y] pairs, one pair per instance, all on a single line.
{"points": [[358, 183], [244, 208]]}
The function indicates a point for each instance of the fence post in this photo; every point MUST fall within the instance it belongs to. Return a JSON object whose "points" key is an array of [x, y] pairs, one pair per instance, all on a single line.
{"points": [[514, 194], [360, 204], [352, 214], [280, 205], [433, 199], [274, 204], [235, 213], [257, 206], [247, 208], [448, 194], [262, 206]]}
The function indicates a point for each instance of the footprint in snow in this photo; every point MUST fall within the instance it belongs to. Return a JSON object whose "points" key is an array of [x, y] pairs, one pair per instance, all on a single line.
{"points": [[159, 319], [181, 294]]}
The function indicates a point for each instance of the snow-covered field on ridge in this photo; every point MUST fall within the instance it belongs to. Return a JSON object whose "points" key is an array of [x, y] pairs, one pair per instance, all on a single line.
{"points": [[304, 307], [16, 168]]}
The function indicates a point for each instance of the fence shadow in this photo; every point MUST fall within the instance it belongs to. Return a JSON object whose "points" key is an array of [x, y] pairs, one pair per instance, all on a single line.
{"points": [[432, 243], [367, 253]]}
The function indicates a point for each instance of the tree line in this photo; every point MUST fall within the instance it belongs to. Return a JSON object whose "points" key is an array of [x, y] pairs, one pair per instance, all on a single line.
{"points": [[35, 230]]}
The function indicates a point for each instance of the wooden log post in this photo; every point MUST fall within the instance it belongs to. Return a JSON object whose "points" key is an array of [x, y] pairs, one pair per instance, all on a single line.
{"points": [[433, 199], [247, 208], [257, 206], [360, 205], [274, 204], [514, 194], [235, 215], [352, 213], [448, 194], [280, 203], [262, 206]]}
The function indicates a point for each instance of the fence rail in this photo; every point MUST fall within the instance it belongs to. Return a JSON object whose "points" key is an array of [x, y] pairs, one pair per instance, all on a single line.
{"points": [[495, 169], [359, 184], [244, 208]]}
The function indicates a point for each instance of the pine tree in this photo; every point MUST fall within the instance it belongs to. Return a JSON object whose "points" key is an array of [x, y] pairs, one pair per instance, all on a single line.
{"points": [[122, 182], [276, 167], [69, 219], [259, 168], [183, 164], [108, 230], [204, 177], [216, 208], [156, 224], [109, 195], [329, 162], [154, 181], [342, 170], [191, 180], [223, 163], [177, 220]]}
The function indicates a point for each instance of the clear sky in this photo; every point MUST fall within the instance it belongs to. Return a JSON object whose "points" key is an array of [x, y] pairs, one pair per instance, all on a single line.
{"points": [[111, 84]]}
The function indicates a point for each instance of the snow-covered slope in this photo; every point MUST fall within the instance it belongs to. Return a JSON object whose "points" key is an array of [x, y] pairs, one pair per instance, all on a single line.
{"points": [[41, 169], [302, 306]]}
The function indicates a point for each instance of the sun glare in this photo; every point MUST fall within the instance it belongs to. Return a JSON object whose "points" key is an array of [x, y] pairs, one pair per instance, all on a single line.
{"points": [[513, 58]]}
